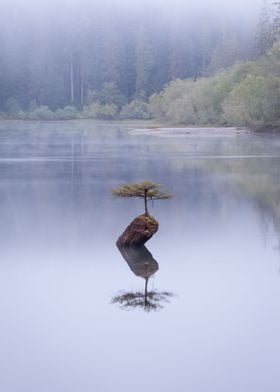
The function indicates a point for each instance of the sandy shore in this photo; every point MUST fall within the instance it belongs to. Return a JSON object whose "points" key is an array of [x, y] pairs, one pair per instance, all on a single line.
{"points": [[184, 132]]}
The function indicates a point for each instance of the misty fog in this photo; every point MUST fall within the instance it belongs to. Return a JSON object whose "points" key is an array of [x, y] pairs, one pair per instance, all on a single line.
{"points": [[56, 53]]}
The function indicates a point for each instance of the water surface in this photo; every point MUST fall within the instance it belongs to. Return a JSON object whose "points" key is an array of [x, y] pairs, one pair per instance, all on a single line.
{"points": [[217, 252]]}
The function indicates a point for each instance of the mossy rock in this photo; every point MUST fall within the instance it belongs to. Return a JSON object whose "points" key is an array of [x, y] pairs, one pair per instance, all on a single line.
{"points": [[139, 231]]}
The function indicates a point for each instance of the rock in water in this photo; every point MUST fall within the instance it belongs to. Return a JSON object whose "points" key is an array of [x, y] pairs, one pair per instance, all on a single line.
{"points": [[139, 231]]}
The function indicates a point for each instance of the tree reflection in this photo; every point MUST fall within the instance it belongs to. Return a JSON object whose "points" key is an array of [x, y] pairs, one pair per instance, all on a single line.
{"points": [[152, 300], [141, 263]]}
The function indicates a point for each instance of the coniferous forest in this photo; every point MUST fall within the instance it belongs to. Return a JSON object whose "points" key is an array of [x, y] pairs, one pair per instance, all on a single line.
{"points": [[141, 61]]}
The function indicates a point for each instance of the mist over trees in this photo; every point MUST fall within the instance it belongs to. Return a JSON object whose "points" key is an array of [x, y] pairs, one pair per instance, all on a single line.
{"points": [[110, 53], [179, 62], [245, 94]]}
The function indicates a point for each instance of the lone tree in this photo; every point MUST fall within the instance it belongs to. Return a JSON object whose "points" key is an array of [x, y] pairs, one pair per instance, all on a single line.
{"points": [[147, 190]]}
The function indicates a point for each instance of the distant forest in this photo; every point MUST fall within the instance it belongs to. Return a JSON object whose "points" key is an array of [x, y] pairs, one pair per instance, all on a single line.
{"points": [[97, 62]]}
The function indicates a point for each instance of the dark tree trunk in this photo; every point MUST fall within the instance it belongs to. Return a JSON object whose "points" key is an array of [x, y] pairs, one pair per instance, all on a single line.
{"points": [[146, 202], [146, 291], [82, 90], [72, 94]]}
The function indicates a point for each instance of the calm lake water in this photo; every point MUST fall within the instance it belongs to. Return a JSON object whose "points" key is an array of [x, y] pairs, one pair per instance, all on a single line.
{"points": [[217, 253]]}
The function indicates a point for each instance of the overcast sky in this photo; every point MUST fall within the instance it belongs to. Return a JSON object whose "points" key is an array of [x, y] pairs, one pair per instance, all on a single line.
{"points": [[196, 12], [239, 6]]}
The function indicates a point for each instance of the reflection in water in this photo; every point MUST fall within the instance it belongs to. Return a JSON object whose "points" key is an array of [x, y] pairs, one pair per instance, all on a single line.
{"points": [[152, 300], [57, 264], [140, 260], [141, 263]]}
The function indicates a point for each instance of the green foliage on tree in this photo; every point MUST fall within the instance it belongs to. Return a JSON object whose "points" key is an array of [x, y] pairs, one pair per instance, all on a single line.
{"points": [[135, 110], [94, 62], [254, 101], [41, 113], [265, 30], [108, 94], [67, 113], [12, 107], [226, 52], [245, 94], [146, 190], [160, 103], [106, 54], [144, 64], [196, 102], [276, 21], [97, 110]]}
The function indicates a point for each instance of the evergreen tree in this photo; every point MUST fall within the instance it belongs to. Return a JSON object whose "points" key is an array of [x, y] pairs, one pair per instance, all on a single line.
{"points": [[226, 51], [145, 62], [145, 190], [59, 58], [264, 35], [181, 58], [276, 20]]}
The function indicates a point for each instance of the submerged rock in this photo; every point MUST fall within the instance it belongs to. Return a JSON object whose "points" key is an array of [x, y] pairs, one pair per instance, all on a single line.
{"points": [[139, 231]]}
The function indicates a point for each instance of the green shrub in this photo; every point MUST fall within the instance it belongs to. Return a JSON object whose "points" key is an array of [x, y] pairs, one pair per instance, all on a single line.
{"points": [[42, 113], [254, 102], [32, 105], [160, 103], [67, 113], [240, 95], [12, 107], [192, 102], [135, 110], [98, 111]]}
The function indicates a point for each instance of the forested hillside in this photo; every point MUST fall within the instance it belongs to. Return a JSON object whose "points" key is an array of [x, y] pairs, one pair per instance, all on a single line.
{"points": [[105, 61], [246, 94]]}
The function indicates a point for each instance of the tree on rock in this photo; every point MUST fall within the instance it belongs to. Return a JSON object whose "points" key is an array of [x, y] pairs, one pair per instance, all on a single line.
{"points": [[147, 190]]}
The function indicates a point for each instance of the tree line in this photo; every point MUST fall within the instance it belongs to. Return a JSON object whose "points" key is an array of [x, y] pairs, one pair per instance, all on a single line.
{"points": [[245, 94], [106, 57], [105, 65]]}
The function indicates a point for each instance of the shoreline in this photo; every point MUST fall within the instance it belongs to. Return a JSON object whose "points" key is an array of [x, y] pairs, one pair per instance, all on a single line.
{"points": [[153, 127]]}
